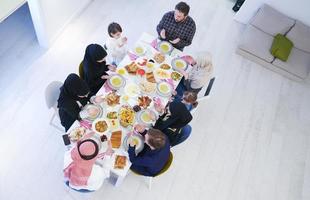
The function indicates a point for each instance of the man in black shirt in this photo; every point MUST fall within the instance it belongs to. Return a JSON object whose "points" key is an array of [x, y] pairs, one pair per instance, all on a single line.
{"points": [[177, 27]]}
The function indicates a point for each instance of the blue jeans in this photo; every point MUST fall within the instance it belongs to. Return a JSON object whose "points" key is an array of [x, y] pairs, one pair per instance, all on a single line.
{"points": [[177, 138]]}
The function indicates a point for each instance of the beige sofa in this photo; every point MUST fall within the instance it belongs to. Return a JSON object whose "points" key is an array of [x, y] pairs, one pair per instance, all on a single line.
{"points": [[258, 37]]}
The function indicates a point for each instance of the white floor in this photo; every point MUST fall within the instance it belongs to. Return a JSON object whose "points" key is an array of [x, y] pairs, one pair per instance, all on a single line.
{"points": [[250, 141]]}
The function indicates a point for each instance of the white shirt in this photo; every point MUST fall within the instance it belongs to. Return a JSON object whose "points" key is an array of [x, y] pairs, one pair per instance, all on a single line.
{"points": [[115, 52]]}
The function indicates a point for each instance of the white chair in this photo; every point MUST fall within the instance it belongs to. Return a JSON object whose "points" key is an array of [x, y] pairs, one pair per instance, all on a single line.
{"points": [[206, 94], [165, 168], [52, 92]]}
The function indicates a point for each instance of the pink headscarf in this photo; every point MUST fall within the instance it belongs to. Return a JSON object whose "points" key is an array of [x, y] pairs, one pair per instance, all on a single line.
{"points": [[80, 169]]}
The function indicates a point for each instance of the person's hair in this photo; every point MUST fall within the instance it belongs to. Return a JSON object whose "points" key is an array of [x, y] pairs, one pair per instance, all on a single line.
{"points": [[156, 138], [183, 8], [114, 28], [204, 60], [190, 97]]}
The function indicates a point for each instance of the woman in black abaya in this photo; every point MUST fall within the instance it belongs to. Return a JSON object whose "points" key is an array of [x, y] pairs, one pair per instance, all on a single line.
{"points": [[73, 96]]}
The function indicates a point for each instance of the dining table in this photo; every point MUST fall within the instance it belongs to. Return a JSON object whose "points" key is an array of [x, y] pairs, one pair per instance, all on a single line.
{"points": [[151, 83]]}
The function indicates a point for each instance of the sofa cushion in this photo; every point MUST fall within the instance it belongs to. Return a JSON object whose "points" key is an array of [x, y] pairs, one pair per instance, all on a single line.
{"points": [[298, 63], [271, 21], [281, 47], [300, 36], [257, 43]]}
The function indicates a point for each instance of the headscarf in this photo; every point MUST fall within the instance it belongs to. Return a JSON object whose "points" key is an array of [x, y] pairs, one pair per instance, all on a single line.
{"points": [[74, 87], [84, 156], [180, 113], [93, 53]]}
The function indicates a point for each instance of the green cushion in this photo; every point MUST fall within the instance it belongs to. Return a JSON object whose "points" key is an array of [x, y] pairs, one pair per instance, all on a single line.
{"points": [[281, 47]]}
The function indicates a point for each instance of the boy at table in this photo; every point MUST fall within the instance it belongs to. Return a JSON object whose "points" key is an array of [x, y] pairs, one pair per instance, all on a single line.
{"points": [[154, 155]]}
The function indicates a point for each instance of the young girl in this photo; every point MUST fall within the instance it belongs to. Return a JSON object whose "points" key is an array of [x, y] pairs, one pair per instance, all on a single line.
{"points": [[116, 44]]}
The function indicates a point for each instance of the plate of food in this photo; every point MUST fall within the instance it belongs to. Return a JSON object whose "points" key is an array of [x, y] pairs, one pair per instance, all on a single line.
{"points": [[100, 126], [137, 139], [132, 90], [126, 116], [113, 124], [116, 81], [164, 47], [116, 139], [164, 89], [147, 117], [144, 101], [179, 64], [162, 74], [165, 66], [159, 57], [120, 162], [112, 99], [150, 77], [147, 87], [139, 50], [176, 76], [91, 112], [77, 133], [121, 71], [112, 115], [132, 68], [97, 99]]}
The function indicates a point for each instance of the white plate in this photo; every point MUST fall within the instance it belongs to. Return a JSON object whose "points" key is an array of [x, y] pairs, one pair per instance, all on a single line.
{"points": [[94, 126], [132, 90], [84, 112], [161, 87], [144, 118], [119, 78], [179, 64], [164, 44], [139, 50], [139, 146]]}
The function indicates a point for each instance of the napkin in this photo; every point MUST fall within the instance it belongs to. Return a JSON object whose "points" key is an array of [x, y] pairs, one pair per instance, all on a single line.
{"points": [[189, 59], [170, 82], [85, 124], [107, 88], [154, 43], [132, 56]]}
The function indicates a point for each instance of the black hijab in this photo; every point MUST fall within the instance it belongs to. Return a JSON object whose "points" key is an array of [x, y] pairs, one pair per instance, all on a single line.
{"points": [[93, 70], [74, 87], [69, 110], [180, 116]]}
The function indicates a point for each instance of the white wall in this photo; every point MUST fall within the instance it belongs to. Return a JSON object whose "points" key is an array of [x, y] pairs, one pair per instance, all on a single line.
{"points": [[297, 9], [7, 7], [51, 16]]}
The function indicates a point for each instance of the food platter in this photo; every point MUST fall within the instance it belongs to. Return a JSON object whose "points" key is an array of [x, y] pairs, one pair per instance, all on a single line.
{"points": [[162, 74], [147, 87], [132, 90], [91, 112], [77, 133], [164, 89], [97, 99], [138, 140], [126, 116], [100, 126], [116, 81], [179, 64], [176, 76], [164, 47]]}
